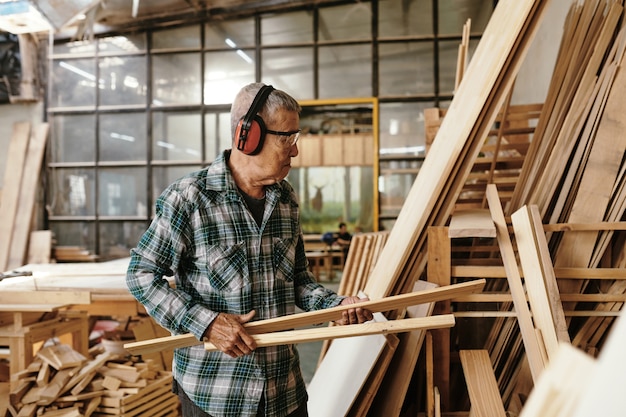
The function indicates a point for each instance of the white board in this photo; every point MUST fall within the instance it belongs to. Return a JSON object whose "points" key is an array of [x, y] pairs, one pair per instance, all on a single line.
{"points": [[342, 372]]}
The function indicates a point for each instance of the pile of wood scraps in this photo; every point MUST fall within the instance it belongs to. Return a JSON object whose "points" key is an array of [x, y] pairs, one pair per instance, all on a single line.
{"points": [[64, 383]]}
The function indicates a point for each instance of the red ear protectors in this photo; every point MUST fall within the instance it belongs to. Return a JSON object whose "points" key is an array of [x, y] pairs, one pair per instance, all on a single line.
{"points": [[251, 130]]}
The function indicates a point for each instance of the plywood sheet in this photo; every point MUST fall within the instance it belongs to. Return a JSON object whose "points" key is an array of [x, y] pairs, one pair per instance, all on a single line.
{"points": [[341, 374]]}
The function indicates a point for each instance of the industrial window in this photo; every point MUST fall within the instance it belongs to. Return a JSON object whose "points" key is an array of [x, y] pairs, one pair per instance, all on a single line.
{"points": [[130, 113]]}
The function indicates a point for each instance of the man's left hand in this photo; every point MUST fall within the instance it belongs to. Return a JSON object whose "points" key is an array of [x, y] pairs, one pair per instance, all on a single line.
{"points": [[355, 315]]}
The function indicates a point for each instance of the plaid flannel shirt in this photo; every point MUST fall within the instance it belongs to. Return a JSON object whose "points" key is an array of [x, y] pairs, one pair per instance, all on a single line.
{"points": [[222, 261]]}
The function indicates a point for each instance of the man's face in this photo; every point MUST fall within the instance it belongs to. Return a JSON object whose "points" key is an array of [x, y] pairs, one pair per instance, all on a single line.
{"points": [[274, 161]]}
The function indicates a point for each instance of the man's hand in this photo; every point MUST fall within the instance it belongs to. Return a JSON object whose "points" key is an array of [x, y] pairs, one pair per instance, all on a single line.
{"points": [[355, 315], [228, 335]]}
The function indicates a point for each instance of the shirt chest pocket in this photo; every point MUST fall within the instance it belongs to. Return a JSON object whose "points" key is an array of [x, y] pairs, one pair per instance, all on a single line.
{"points": [[226, 267], [284, 255]]}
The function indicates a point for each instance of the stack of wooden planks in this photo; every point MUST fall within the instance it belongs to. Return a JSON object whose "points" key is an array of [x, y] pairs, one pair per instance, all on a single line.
{"points": [[563, 208], [61, 382], [19, 191], [501, 156], [565, 215]]}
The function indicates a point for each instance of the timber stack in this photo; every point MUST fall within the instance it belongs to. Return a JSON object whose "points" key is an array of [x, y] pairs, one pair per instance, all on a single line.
{"points": [[61, 382]]}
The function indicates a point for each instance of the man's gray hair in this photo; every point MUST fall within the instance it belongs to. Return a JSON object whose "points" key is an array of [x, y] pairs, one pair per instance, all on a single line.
{"points": [[277, 100]]}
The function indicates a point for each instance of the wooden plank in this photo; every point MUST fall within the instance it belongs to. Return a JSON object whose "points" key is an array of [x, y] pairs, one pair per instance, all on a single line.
{"points": [[28, 193], [11, 188], [439, 259], [531, 221], [337, 332], [604, 387], [532, 345], [44, 297], [39, 247], [481, 383], [431, 389], [364, 400], [471, 223], [316, 317]]}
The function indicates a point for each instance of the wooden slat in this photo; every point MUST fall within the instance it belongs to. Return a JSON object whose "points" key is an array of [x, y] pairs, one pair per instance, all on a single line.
{"points": [[481, 384], [44, 297], [534, 351], [353, 330], [535, 284], [557, 392], [439, 273], [27, 196], [11, 188]]}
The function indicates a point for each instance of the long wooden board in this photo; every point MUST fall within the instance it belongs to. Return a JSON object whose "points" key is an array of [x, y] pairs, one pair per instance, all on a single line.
{"points": [[315, 317], [390, 396], [11, 188], [27, 196], [541, 284], [532, 345], [481, 382], [44, 297], [336, 332]]}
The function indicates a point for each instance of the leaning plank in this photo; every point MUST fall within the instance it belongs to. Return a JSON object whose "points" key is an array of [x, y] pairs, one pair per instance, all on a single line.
{"points": [[481, 382], [337, 332], [315, 317], [27, 196], [532, 345], [504, 42], [11, 188], [541, 284]]}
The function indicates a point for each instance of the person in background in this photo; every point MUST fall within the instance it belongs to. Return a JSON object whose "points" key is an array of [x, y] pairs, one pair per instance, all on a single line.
{"points": [[230, 235], [343, 237]]}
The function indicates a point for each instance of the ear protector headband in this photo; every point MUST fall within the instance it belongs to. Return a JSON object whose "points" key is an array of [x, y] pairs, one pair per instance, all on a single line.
{"points": [[251, 130]]}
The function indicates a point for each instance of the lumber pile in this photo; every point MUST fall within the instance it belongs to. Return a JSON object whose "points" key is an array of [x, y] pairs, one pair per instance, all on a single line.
{"points": [[555, 268], [561, 243], [61, 382]]}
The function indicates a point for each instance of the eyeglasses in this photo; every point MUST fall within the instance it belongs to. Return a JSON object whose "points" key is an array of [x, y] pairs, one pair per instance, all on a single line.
{"points": [[291, 137]]}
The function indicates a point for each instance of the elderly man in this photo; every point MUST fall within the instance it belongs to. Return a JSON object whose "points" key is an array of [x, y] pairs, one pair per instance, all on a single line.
{"points": [[230, 235]]}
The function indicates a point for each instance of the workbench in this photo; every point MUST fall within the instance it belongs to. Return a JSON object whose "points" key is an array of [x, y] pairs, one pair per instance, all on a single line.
{"points": [[106, 281], [39, 302]]}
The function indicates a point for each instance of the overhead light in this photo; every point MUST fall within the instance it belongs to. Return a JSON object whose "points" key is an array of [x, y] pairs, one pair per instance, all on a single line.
{"points": [[238, 51]]}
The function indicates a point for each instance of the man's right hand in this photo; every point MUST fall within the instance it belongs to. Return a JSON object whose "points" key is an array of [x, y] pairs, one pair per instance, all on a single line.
{"points": [[227, 333]]}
